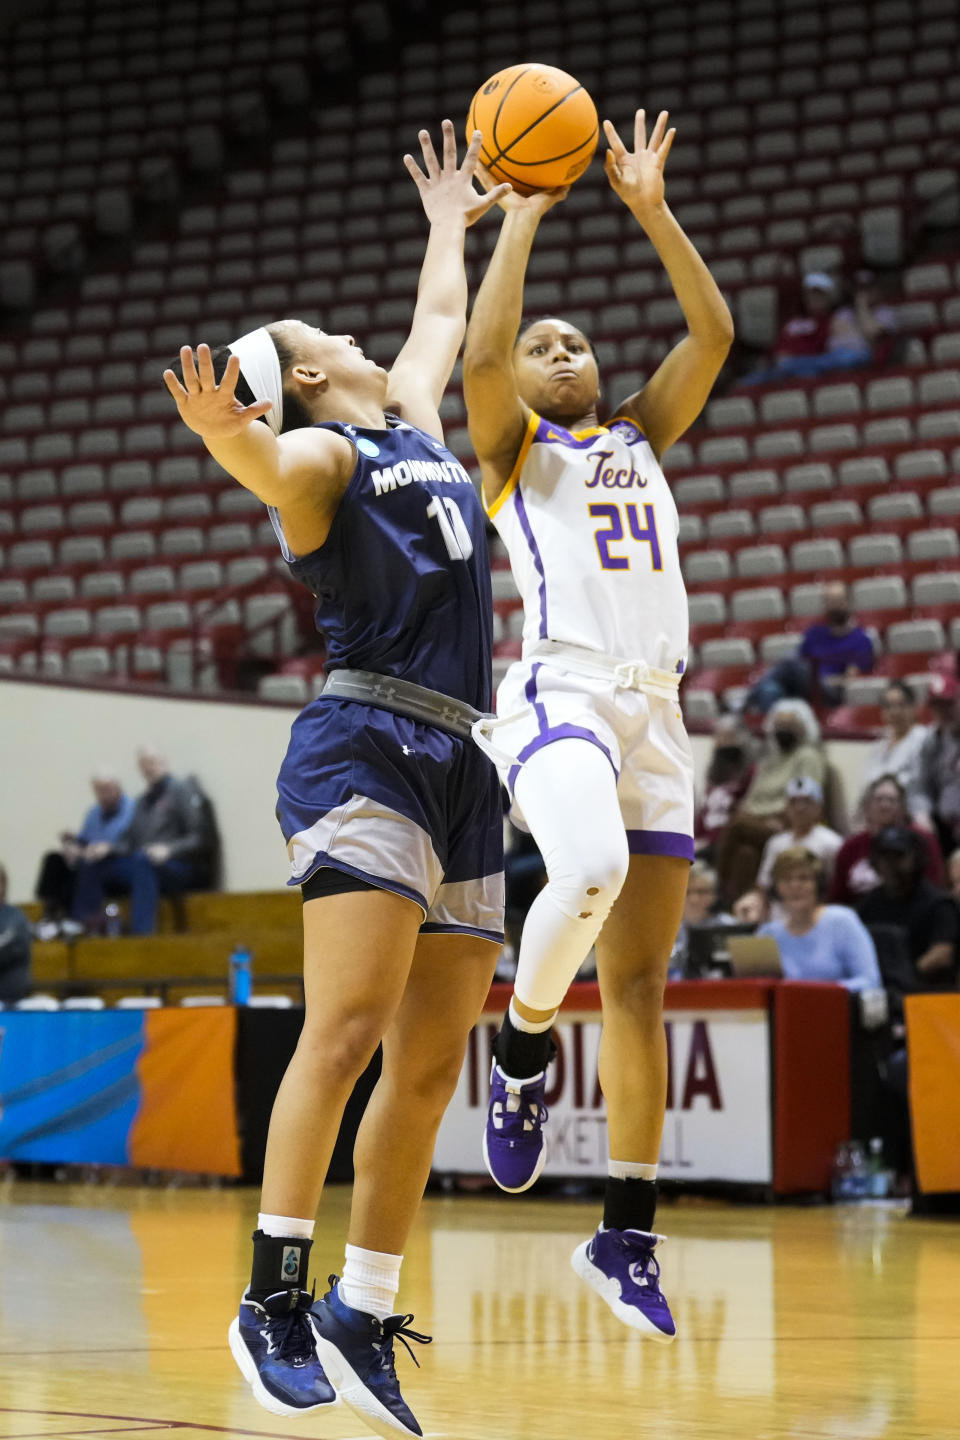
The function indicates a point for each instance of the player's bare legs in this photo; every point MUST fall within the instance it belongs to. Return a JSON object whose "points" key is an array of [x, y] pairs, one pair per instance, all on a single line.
{"points": [[358, 950], [633, 952], [422, 1058]]}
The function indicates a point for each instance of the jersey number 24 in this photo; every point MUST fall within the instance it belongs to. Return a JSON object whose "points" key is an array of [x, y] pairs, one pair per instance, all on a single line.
{"points": [[614, 531]]}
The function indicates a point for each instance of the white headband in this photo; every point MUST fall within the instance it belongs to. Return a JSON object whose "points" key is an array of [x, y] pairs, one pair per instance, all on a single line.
{"points": [[260, 367]]}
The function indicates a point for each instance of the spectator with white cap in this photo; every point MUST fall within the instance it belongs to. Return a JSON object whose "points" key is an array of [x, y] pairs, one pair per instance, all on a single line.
{"points": [[804, 809], [825, 336]]}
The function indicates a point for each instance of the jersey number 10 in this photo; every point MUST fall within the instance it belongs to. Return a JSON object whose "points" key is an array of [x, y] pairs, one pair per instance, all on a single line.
{"points": [[453, 528], [614, 531]]}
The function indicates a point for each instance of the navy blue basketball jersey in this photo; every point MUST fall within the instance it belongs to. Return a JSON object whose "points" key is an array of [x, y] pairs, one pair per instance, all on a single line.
{"points": [[403, 579]]}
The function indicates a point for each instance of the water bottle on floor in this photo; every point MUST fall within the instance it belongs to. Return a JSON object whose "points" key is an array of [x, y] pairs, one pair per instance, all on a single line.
{"points": [[241, 975]]}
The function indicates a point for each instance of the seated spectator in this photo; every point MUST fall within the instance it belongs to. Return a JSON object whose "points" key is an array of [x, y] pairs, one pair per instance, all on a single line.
{"points": [[898, 750], [103, 826], [792, 749], [169, 847], [869, 318], [938, 791], [14, 948], [804, 827], [830, 649], [699, 912], [728, 774], [827, 336], [926, 916], [818, 941], [884, 804]]}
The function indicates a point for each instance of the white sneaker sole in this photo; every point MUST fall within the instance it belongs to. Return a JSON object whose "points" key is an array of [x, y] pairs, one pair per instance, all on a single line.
{"points": [[261, 1394], [352, 1391], [516, 1189], [609, 1290]]}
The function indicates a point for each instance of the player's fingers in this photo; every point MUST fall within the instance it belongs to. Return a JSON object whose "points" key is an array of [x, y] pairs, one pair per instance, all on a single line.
{"points": [[656, 139], [487, 202], [208, 379], [190, 381], [416, 174], [611, 165], [473, 151], [429, 154], [664, 150], [231, 375], [174, 386], [449, 146], [260, 407], [617, 146], [640, 131]]}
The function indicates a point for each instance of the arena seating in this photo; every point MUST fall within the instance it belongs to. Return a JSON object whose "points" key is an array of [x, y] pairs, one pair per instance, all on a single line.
{"points": [[174, 965], [821, 136]]}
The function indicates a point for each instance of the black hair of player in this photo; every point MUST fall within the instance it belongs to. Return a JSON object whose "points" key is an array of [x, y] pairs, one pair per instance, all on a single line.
{"points": [[528, 324], [296, 416]]}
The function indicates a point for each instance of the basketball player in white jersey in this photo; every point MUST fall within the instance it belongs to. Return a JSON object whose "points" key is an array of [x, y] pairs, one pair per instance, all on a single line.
{"points": [[589, 738]]}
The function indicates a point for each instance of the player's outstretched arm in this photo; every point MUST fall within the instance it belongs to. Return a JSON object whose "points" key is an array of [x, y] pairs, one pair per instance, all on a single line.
{"points": [[496, 415], [272, 467], [422, 369], [676, 393]]}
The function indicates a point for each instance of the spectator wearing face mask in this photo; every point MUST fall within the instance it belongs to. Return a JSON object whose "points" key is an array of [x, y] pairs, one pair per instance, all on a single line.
{"points": [[792, 749], [728, 775], [831, 649]]}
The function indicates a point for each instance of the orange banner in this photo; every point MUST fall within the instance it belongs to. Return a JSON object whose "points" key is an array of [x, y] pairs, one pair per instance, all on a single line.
{"points": [[187, 1118], [933, 1050]]}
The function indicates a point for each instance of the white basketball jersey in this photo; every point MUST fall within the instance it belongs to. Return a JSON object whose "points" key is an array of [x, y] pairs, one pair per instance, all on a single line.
{"points": [[591, 529]]}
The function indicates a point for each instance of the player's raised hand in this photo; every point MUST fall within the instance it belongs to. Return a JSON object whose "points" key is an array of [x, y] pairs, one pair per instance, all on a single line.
{"points": [[536, 204], [208, 408], [637, 175], [446, 190]]}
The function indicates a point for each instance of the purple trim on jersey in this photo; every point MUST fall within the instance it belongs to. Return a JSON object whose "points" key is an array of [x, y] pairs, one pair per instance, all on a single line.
{"points": [[549, 434], [547, 737], [660, 842], [495, 935], [524, 519], [322, 858], [530, 691]]}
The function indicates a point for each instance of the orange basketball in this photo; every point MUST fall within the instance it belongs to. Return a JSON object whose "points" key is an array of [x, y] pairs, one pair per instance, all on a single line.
{"points": [[539, 127]]}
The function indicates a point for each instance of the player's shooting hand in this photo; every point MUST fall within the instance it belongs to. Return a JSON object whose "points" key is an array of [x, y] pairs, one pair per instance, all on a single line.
{"points": [[637, 175], [514, 203], [446, 191], [211, 410]]}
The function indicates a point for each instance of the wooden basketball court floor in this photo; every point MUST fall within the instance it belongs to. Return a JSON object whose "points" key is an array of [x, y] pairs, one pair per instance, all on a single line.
{"points": [[793, 1322]]}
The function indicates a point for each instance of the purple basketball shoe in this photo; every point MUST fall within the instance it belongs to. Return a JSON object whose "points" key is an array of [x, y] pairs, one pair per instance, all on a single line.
{"points": [[514, 1150], [622, 1268]]}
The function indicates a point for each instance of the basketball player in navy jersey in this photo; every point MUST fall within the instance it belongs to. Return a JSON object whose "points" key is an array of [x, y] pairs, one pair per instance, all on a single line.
{"points": [[391, 814], [589, 735]]}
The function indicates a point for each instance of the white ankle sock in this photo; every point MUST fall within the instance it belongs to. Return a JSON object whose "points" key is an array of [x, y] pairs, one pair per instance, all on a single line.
{"points": [[370, 1281], [630, 1170], [285, 1227]]}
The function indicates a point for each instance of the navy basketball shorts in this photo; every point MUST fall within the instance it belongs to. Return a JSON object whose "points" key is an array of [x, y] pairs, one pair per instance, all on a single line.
{"points": [[401, 805]]}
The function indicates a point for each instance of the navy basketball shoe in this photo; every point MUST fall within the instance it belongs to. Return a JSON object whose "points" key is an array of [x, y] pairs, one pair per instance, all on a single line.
{"points": [[274, 1343], [357, 1353], [621, 1266], [514, 1150]]}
